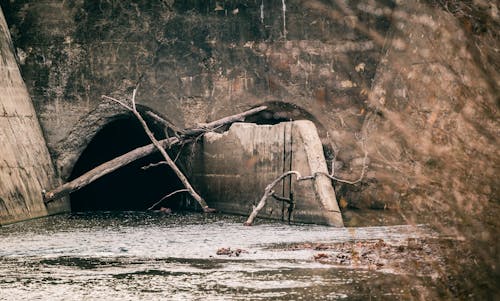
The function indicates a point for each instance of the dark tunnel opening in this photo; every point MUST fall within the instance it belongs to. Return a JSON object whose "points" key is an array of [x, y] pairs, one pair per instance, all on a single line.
{"points": [[130, 187]]}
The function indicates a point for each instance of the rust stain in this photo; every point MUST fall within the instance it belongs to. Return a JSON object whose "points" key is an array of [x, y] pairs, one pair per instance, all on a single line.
{"points": [[320, 95], [250, 163]]}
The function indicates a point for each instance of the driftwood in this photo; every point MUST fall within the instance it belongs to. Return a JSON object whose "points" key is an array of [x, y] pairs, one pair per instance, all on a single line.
{"points": [[163, 152], [268, 191], [206, 127], [141, 152], [105, 169]]}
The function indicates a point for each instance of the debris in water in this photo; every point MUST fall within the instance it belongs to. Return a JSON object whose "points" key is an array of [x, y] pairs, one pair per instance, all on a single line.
{"points": [[230, 253], [320, 256], [165, 210], [402, 257]]}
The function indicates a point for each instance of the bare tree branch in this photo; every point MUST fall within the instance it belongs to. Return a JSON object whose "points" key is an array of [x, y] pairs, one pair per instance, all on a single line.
{"points": [[167, 158], [118, 101], [267, 192], [221, 122], [105, 169], [166, 197], [365, 166]]}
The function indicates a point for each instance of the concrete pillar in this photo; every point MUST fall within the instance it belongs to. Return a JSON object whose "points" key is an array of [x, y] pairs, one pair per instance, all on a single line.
{"points": [[25, 164]]}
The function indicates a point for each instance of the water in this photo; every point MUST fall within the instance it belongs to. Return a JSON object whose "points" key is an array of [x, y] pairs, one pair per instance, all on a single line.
{"points": [[140, 255]]}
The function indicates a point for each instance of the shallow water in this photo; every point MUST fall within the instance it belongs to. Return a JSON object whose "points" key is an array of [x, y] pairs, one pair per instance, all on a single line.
{"points": [[147, 255]]}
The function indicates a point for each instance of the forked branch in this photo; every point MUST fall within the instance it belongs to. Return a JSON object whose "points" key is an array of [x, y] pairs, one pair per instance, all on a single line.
{"points": [[163, 152], [268, 191]]}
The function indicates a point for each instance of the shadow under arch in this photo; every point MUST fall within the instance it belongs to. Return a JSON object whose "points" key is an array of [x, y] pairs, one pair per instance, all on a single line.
{"points": [[130, 187], [279, 111]]}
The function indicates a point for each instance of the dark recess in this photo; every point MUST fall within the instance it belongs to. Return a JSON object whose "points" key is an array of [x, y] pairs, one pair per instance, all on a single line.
{"points": [[130, 187]]}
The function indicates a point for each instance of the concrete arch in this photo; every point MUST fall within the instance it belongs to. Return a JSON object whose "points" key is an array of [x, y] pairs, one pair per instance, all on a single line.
{"points": [[68, 150], [131, 187]]}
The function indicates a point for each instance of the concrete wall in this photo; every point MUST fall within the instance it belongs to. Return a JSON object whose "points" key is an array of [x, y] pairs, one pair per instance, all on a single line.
{"points": [[25, 164], [425, 80], [194, 63], [232, 170]]}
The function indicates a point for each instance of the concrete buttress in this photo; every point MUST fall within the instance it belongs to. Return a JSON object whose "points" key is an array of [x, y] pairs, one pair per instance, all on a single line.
{"points": [[25, 164]]}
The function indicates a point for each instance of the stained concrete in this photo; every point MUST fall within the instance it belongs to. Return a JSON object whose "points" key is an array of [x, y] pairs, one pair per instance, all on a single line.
{"points": [[195, 64], [426, 79], [25, 164], [232, 170]]}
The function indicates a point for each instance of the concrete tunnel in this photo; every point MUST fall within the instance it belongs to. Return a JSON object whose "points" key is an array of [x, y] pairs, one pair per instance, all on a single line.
{"points": [[229, 169], [131, 187]]}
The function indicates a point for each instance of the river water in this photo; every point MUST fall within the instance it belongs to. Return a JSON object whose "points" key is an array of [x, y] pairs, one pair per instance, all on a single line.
{"points": [[153, 256]]}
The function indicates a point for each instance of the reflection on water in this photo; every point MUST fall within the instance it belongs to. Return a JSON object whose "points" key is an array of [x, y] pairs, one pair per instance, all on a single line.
{"points": [[138, 255]]}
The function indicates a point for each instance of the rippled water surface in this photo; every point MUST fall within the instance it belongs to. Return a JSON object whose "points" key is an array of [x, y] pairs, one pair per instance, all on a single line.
{"points": [[139, 256]]}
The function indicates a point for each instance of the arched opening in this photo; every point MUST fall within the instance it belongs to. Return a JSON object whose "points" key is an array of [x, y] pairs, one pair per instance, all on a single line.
{"points": [[130, 187]]}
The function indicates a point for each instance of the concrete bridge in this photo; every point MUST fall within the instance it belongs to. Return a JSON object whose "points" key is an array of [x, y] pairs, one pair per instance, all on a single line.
{"points": [[194, 64], [335, 65]]}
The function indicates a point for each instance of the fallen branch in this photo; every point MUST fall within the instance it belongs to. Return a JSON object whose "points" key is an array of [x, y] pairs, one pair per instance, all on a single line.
{"points": [[267, 193], [163, 152], [166, 197], [207, 127], [105, 169], [139, 153]]}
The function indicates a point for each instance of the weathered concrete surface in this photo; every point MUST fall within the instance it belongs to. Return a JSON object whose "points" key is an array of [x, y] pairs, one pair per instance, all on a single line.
{"points": [[195, 63], [25, 164], [233, 168], [428, 79]]}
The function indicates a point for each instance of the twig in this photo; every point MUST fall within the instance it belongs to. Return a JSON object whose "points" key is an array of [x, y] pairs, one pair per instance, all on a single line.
{"points": [[119, 102], [133, 102], [167, 196], [179, 153], [153, 165], [331, 176]]}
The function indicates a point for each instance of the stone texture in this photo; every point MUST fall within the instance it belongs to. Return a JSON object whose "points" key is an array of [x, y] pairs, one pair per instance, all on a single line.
{"points": [[233, 168], [194, 63], [25, 164], [424, 97]]}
